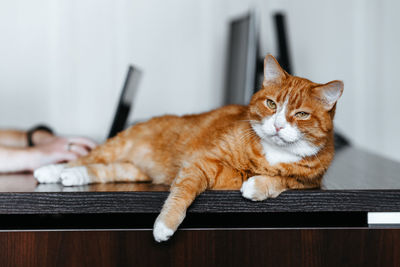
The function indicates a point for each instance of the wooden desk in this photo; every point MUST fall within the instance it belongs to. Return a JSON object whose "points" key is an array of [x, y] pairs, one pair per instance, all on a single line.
{"points": [[110, 225]]}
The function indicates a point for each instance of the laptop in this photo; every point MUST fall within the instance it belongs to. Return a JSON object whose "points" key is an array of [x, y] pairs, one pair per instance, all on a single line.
{"points": [[125, 100]]}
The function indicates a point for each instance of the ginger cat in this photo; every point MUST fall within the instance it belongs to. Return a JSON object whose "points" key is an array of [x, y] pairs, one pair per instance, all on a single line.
{"points": [[282, 140]]}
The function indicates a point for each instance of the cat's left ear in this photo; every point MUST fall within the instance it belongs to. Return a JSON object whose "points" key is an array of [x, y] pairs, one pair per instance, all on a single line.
{"points": [[273, 72], [329, 93]]}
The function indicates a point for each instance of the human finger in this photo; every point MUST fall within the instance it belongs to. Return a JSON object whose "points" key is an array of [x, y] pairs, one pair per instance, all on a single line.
{"points": [[83, 141], [66, 156], [77, 149]]}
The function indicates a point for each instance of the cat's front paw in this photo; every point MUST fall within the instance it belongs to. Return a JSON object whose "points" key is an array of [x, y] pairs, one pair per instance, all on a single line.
{"points": [[260, 187], [75, 176], [250, 190], [161, 232], [49, 173]]}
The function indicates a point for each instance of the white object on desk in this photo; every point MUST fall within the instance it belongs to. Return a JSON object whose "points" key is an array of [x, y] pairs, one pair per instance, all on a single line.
{"points": [[383, 217]]}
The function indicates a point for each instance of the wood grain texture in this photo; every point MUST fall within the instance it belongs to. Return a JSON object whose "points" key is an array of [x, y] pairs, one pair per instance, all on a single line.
{"points": [[210, 201], [318, 247]]}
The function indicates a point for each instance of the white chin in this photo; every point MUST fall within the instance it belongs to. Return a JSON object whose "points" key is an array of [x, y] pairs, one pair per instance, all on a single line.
{"points": [[277, 140]]}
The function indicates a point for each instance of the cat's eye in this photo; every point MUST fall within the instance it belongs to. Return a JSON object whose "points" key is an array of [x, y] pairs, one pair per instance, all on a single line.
{"points": [[302, 115], [271, 104]]}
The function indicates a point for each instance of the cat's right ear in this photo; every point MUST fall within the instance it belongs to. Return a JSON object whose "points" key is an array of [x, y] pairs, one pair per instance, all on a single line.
{"points": [[273, 72], [329, 93]]}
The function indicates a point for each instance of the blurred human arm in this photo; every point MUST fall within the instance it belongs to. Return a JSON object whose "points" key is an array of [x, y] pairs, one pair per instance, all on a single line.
{"points": [[17, 138], [54, 150], [13, 138]]}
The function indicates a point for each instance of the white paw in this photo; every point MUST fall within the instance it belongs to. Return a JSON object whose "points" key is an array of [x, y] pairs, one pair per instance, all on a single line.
{"points": [[248, 189], [49, 173], [161, 232], [259, 187], [75, 176]]}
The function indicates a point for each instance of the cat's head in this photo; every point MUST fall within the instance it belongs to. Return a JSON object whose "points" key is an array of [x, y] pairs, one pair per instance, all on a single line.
{"points": [[293, 113]]}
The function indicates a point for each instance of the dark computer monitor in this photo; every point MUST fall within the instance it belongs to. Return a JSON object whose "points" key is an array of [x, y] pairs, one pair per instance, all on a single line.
{"points": [[125, 101], [283, 57], [244, 72], [241, 60]]}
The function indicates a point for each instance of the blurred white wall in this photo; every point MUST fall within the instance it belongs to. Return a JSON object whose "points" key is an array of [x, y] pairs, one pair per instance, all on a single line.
{"points": [[63, 62]]}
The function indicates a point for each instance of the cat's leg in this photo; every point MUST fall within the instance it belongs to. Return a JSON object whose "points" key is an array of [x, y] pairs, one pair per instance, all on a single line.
{"points": [[52, 173], [182, 193], [261, 187], [111, 151], [102, 173], [108, 152]]}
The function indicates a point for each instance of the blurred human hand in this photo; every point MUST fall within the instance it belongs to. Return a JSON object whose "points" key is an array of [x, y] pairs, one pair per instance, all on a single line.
{"points": [[40, 137], [54, 149]]}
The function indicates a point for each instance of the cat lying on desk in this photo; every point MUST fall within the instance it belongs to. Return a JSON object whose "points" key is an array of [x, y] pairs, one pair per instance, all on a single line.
{"points": [[282, 140]]}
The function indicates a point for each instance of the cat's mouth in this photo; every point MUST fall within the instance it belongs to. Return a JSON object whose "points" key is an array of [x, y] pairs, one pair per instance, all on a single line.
{"points": [[280, 140]]}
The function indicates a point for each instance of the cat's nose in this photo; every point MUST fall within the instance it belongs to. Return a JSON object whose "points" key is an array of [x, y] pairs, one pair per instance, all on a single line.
{"points": [[278, 128]]}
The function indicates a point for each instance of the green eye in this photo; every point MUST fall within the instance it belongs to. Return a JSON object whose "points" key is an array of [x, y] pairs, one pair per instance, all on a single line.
{"points": [[271, 104], [302, 115]]}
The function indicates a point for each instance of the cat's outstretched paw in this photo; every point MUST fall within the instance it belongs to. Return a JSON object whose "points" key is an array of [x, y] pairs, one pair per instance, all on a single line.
{"points": [[49, 173], [250, 191], [161, 232], [75, 176]]}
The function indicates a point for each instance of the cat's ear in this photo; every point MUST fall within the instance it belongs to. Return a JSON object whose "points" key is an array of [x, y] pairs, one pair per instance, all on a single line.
{"points": [[273, 73], [329, 93]]}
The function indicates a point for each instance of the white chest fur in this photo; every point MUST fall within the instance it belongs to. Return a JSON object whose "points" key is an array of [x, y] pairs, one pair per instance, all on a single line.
{"points": [[275, 155]]}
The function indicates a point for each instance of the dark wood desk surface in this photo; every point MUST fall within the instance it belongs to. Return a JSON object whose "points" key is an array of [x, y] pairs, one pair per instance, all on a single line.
{"points": [[356, 181]]}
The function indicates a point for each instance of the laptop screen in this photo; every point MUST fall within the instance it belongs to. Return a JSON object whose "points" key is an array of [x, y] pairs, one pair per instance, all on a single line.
{"points": [[126, 100]]}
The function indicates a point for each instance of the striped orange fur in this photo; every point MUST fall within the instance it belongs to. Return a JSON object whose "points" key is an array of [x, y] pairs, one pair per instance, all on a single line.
{"points": [[227, 148]]}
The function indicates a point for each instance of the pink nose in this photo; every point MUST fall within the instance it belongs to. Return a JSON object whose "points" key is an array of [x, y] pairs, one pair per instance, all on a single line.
{"points": [[278, 128]]}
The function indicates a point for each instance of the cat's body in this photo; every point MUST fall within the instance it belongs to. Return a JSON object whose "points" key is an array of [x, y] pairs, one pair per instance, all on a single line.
{"points": [[263, 149]]}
